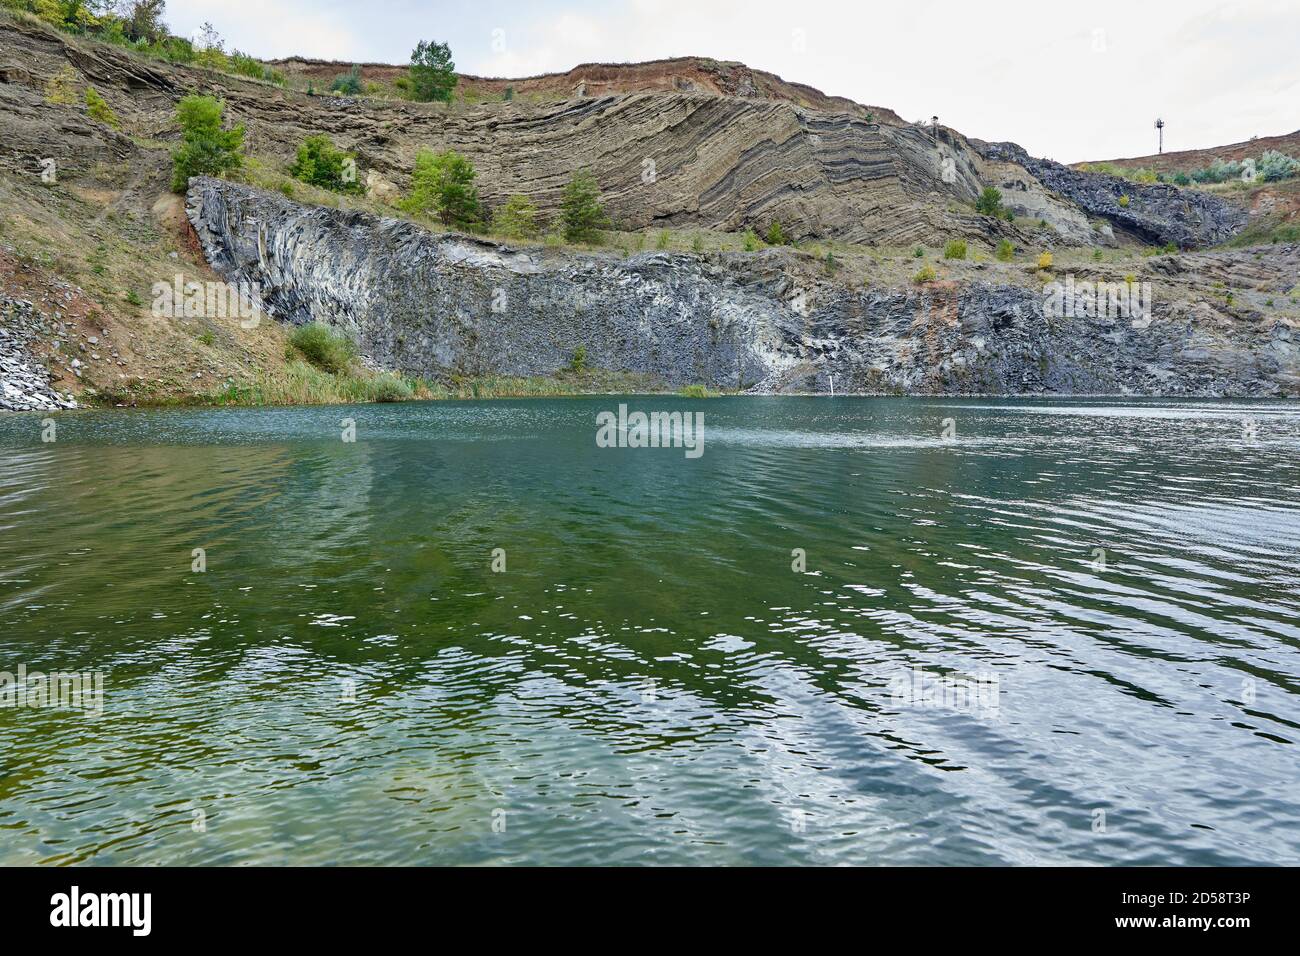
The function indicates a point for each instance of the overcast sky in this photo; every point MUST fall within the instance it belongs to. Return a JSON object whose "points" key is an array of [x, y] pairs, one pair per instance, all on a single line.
{"points": [[1070, 82]]}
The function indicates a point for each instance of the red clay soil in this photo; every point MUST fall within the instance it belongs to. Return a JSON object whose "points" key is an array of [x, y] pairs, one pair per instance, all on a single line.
{"points": [[1189, 159], [681, 75]]}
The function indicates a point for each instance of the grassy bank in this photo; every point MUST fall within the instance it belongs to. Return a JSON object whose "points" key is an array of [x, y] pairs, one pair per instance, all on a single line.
{"points": [[301, 383]]}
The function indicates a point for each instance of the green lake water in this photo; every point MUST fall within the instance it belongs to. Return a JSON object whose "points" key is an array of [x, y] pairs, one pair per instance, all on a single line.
{"points": [[1099, 600]]}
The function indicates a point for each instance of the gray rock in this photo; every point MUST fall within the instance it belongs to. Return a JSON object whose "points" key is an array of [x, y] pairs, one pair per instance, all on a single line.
{"points": [[440, 305]]}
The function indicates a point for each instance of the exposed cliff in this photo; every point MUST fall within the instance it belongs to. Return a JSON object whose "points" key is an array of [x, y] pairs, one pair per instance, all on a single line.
{"points": [[1155, 213], [735, 150], [433, 305]]}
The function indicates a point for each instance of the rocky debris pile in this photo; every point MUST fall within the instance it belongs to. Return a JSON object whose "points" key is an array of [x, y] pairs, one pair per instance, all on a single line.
{"points": [[24, 383], [445, 305], [1157, 213]]}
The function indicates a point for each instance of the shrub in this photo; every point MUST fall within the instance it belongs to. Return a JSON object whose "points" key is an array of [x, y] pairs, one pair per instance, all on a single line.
{"points": [[516, 219], [1096, 255], [663, 240], [206, 148], [1045, 260], [320, 345], [955, 249], [443, 184], [1274, 166], [433, 74], [918, 253], [242, 64], [1180, 179], [926, 274], [509, 94], [320, 163], [1005, 251], [695, 391], [211, 50], [62, 87], [776, 235], [1124, 201], [98, 109], [349, 83], [990, 202], [751, 242], [578, 363], [1218, 172], [387, 387], [581, 215]]}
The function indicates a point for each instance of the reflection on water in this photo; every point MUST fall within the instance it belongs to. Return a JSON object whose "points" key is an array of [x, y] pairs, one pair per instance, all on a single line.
{"points": [[651, 679]]}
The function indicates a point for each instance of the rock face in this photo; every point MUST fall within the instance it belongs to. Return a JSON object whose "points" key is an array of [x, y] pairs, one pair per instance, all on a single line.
{"points": [[24, 383], [1156, 213], [679, 144], [435, 305]]}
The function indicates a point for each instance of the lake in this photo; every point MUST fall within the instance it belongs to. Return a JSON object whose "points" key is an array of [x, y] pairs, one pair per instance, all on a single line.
{"points": [[851, 631]]}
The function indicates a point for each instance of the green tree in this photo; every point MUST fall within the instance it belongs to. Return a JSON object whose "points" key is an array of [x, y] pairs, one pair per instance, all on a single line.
{"points": [[990, 202], [349, 83], [1005, 251], [142, 21], [776, 235], [206, 148], [320, 163], [516, 219], [581, 213], [433, 74], [442, 184]]}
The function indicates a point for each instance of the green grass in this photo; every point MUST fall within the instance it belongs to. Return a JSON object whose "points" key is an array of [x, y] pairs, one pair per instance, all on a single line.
{"points": [[328, 350], [697, 391]]}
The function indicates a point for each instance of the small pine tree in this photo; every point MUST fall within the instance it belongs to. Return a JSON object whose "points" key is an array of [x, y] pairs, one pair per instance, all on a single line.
{"points": [[433, 74], [776, 235], [751, 241], [1005, 251], [990, 202], [206, 148], [349, 84], [581, 214], [516, 219], [443, 184], [321, 164]]}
